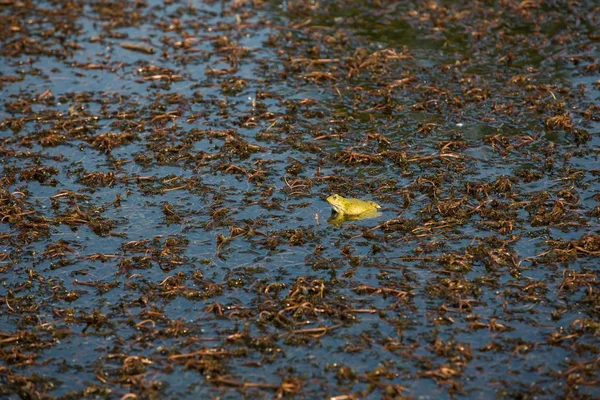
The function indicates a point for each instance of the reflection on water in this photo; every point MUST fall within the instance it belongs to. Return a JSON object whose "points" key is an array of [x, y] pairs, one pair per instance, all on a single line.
{"points": [[339, 218]]}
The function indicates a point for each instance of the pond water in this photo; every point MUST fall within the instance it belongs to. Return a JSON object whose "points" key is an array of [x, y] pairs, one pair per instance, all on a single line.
{"points": [[165, 232]]}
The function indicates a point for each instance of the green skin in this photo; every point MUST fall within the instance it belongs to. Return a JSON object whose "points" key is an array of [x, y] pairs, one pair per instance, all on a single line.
{"points": [[350, 206]]}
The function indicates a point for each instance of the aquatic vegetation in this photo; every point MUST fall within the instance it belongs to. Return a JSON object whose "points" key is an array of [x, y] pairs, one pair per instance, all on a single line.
{"points": [[165, 170]]}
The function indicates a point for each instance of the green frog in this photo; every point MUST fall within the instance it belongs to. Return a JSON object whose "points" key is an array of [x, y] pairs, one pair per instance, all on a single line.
{"points": [[352, 207]]}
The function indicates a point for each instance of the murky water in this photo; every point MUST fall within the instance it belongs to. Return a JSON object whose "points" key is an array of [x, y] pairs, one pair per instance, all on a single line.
{"points": [[164, 226]]}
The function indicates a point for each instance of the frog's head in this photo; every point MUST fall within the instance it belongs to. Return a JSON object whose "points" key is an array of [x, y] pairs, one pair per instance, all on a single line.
{"points": [[336, 202]]}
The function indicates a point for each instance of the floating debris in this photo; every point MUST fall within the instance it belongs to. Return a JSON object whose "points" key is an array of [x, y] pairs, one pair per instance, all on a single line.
{"points": [[140, 48], [165, 166]]}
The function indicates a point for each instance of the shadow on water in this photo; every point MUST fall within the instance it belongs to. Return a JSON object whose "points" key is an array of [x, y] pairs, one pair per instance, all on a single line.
{"points": [[164, 230]]}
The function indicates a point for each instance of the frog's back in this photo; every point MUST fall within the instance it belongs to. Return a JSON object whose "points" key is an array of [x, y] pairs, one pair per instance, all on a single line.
{"points": [[356, 207], [373, 204]]}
